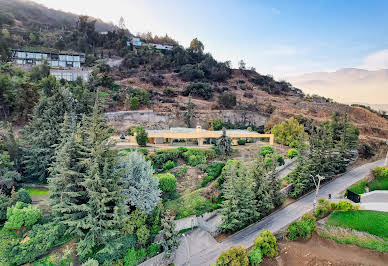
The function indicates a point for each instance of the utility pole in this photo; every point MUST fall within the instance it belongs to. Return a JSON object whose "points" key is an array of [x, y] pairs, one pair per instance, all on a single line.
{"points": [[317, 184]]}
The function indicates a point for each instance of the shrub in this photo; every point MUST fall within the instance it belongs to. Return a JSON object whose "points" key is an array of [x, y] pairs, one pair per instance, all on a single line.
{"points": [[182, 171], [191, 73], [24, 196], [195, 160], [134, 103], [169, 92], [167, 182], [90, 262], [115, 249], [302, 229], [234, 256], [255, 256], [266, 242], [195, 156], [380, 172], [169, 165], [213, 171], [153, 250], [279, 159], [141, 137], [323, 208], [343, 205], [200, 89], [241, 141], [227, 100], [266, 150], [22, 215], [359, 188], [135, 257], [292, 153]]}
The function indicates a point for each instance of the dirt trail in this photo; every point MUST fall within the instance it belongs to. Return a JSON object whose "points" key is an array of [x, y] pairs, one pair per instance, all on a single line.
{"points": [[319, 251]]}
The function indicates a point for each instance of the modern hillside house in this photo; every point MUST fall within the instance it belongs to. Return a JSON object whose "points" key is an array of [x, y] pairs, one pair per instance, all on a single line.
{"points": [[63, 65]]}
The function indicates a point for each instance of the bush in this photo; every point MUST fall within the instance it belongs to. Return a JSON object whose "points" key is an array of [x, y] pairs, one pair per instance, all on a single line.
{"points": [[24, 196], [292, 153], [135, 257], [200, 89], [167, 182], [266, 150], [134, 103], [255, 256], [241, 141], [169, 165], [90, 262], [195, 160], [359, 188], [227, 100], [153, 250], [323, 208], [302, 229], [213, 171], [380, 172], [266, 242], [191, 73], [141, 137], [343, 205], [233, 256], [195, 156], [279, 159], [22, 215]]}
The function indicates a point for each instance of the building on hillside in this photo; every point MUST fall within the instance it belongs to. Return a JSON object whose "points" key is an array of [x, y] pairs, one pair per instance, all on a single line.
{"points": [[66, 65], [136, 42], [199, 135]]}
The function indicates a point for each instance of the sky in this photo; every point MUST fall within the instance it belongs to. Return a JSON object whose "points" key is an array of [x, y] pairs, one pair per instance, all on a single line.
{"points": [[281, 38]]}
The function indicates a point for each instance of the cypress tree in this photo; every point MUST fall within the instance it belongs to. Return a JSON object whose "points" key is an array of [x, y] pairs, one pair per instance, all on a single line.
{"points": [[238, 208], [67, 195]]}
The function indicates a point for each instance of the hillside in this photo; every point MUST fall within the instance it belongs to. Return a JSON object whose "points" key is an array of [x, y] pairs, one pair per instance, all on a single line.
{"points": [[27, 15], [346, 85]]}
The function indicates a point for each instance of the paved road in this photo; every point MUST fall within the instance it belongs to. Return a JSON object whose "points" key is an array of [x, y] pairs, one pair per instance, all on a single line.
{"points": [[283, 217]]}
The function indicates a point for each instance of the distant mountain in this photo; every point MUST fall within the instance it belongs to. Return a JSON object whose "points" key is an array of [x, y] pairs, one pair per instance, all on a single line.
{"points": [[347, 85], [28, 14]]}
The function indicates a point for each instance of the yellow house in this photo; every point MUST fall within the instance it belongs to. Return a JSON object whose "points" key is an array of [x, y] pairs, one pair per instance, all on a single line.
{"points": [[199, 134]]}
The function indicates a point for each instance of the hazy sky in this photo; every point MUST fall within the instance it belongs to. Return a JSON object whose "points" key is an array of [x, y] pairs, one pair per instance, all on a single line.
{"points": [[282, 38]]}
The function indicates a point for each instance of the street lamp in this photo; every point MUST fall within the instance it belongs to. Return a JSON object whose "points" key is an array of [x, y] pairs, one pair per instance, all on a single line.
{"points": [[317, 184]]}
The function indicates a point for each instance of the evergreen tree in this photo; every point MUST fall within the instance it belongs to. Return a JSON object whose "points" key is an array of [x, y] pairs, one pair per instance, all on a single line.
{"points": [[275, 184], [67, 195], [140, 188], [261, 186], [224, 143], [169, 236], [42, 133], [238, 208], [102, 185]]}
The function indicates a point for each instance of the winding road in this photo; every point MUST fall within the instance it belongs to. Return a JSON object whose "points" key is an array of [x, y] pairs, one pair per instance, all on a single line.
{"points": [[284, 216]]}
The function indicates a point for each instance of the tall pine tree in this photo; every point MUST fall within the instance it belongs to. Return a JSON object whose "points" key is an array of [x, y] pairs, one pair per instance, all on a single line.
{"points": [[238, 208], [102, 184], [67, 195], [42, 133]]}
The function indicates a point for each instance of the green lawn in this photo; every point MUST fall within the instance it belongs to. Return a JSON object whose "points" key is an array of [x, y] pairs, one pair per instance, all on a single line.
{"points": [[373, 222], [379, 184], [359, 187], [37, 191]]}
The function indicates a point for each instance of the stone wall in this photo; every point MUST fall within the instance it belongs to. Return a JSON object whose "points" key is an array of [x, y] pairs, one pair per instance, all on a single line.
{"points": [[164, 120]]}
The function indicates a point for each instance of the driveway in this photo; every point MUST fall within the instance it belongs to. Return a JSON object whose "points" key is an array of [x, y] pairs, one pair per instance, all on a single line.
{"points": [[375, 201], [281, 218]]}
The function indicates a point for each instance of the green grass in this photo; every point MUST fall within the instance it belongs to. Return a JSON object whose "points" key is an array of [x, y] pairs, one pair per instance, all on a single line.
{"points": [[187, 230], [37, 191], [373, 222], [359, 187], [379, 184], [352, 239]]}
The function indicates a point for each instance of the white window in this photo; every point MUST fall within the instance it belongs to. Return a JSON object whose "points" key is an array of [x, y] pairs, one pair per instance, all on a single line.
{"points": [[54, 63], [38, 56], [76, 58], [20, 62], [62, 63], [62, 57], [21, 55], [69, 58], [38, 62], [44, 56], [30, 55], [76, 64]]}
